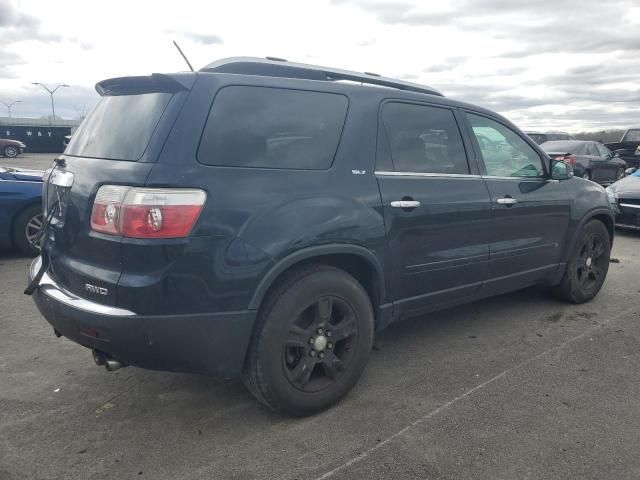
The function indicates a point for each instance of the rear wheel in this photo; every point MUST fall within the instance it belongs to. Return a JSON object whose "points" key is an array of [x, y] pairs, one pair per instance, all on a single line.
{"points": [[26, 230], [619, 174], [588, 265], [312, 341], [10, 151]]}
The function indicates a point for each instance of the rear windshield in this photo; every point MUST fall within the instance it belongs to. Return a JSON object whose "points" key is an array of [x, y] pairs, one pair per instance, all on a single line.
{"points": [[632, 136], [273, 128], [564, 147], [119, 127]]}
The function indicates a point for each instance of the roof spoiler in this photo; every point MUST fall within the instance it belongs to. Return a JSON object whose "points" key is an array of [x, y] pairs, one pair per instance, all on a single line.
{"points": [[155, 83], [278, 67]]}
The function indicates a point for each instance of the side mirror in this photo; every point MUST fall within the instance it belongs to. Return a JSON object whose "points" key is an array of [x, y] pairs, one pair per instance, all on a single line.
{"points": [[560, 170]]}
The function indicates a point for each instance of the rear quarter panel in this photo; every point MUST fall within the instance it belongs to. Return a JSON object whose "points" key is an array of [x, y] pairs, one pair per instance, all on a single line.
{"points": [[255, 217]]}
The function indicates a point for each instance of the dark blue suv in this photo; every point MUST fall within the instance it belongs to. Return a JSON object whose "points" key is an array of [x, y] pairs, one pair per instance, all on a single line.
{"points": [[264, 218]]}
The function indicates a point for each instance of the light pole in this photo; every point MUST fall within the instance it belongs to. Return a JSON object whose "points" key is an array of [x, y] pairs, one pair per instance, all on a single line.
{"points": [[9, 105], [51, 92]]}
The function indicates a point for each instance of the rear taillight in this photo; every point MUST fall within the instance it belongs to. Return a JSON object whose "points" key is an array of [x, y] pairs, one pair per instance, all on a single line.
{"points": [[568, 159], [146, 212]]}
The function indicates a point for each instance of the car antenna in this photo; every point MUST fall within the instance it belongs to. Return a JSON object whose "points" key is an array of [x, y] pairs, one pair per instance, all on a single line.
{"points": [[183, 55]]}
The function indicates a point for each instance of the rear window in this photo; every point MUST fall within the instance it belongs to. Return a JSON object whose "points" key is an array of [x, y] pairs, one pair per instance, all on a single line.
{"points": [[560, 146], [273, 128], [119, 127]]}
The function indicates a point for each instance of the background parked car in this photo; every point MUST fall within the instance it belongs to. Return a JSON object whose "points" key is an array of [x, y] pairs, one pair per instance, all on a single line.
{"points": [[20, 209], [541, 137], [625, 194], [590, 160], [11, 148], [628, 147]]}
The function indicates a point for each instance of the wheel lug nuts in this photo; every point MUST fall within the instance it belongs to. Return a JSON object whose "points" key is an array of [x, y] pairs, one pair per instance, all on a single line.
{"points": [[328, 333], [319, 331], [321, 355], [311, 340], [329, 345], [312, 353]]}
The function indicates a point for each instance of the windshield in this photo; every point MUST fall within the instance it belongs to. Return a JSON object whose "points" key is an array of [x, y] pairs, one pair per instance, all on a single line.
{"points": [[563, 146], [120, 127], [632, 136]]}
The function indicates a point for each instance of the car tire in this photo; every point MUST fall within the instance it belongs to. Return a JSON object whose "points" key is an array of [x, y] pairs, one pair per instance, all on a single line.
{"points": [[619, 174], [25, 228], [11, 152], [588, 264], [312, 341]]}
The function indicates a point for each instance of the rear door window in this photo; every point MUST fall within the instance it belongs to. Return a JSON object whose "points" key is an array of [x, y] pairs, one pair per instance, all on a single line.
{"points": [[504, 152], [119, 127], [424, 139], [273, 128]]}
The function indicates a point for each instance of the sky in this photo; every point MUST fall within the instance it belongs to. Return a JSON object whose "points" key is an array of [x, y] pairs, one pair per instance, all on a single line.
{"points": [[544, 64]]}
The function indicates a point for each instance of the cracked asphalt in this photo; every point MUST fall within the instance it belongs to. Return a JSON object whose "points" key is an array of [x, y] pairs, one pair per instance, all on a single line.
{"points": [[514, 387]]}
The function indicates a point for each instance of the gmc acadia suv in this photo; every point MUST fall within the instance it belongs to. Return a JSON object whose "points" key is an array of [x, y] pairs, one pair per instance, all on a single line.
{"points": [[264, 218]]}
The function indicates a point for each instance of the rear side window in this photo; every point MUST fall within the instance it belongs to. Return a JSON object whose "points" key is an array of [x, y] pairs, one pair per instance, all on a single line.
{"points": [[632, 136], [424, 139], [119, 127], [273, 128], [538, 137]]}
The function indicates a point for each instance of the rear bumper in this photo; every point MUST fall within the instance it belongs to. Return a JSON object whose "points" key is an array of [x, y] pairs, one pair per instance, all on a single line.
{"points": [[214, 343]]}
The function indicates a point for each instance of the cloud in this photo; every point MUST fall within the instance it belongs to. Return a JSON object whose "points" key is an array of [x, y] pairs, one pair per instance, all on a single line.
{"points": [[16, 25], [202, 38]]}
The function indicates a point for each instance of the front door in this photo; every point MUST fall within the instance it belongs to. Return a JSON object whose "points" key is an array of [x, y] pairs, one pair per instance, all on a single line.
{"points": [[530, 212], [436, 209]]}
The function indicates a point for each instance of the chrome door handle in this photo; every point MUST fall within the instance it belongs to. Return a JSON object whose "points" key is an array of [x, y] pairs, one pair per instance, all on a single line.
{"points": [[507, 201], [405, 204]]}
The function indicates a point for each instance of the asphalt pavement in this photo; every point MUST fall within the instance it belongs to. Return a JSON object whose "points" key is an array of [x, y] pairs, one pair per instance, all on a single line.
{"points": [[518, 386]]}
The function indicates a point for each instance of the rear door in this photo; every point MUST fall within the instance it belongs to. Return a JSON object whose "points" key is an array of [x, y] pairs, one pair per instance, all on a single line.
{"points": [[116, 145], [529, 212], [436, 208]]}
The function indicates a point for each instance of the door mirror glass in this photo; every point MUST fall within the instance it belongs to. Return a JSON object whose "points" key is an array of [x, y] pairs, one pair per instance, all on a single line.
{"points": [[560, 170]]}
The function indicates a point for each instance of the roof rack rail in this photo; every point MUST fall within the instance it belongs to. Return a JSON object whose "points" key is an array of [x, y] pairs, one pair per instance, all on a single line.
{"points": [[279, 67]]}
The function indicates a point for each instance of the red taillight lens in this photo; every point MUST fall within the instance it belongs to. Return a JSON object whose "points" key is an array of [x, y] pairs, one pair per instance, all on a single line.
{"points": [[146, 212]]}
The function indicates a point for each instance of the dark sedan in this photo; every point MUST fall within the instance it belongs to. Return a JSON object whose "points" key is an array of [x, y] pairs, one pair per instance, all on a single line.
{"points": [[11, 148], [590, 160], [625, 194], [20, 209]]}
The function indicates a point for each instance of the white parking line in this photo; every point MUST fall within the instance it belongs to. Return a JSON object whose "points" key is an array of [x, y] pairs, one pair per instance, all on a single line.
{"points": [[445, 406]]}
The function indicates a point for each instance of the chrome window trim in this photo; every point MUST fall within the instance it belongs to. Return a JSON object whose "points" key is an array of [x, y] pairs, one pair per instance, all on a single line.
{"points": [[51, 289], [384, 173], [498, 177], [629, 205]]}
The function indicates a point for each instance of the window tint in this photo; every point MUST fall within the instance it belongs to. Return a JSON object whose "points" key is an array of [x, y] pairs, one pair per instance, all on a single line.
{"points": [[592, 150], [538, 137], [632, 136], [119, 127], [604, 151], [504, 152], [273, 128], [424, 139]]}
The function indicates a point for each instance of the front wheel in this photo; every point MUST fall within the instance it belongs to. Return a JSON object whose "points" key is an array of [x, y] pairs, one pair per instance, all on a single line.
{"points": [[311, 342], [588, 265], [26, 230], [11, 151], [619, 174]]}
